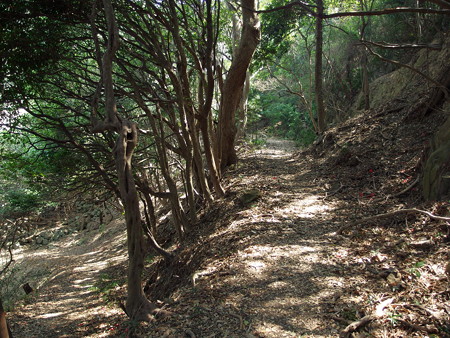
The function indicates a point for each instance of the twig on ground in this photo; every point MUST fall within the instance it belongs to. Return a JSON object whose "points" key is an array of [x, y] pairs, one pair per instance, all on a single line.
{"points": [[417, 327], [409, 187], [333, 192], [379, 312]]}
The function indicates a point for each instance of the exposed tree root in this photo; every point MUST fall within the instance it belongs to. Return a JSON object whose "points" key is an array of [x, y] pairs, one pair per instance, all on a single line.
{"points": [[389, 214]]}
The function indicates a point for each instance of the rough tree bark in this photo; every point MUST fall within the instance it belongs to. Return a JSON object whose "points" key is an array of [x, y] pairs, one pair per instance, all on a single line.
{"points": [[233, 85], [137, 306]]}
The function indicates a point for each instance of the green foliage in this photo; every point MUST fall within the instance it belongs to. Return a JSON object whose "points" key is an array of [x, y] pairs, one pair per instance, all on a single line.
{"points": [[19, 202], [105, 286], [275, 29], [31, 172], [280, 116], [415, 270], [31, 43]]}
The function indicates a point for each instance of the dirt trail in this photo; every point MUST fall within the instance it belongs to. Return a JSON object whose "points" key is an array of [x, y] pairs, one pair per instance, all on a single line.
{"points": [[285, 275], [274, 267], [67, 304], [271, 270]]}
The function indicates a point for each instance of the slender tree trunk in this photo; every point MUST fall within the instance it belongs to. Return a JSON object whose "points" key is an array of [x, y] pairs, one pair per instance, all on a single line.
{"points": [[137, 305], [233, 85], [206, 86], [318, 69], [418, 23], [364, 61], [181, 223], [4, 328], [150, 230], [242, 109]]}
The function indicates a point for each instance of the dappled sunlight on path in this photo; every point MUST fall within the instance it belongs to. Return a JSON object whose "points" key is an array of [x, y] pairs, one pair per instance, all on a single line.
{"points": [[276, 268], [67, 304]]}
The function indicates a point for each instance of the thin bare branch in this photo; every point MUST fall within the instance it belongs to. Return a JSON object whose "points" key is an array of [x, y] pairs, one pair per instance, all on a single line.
{"points": [[402, 46], [415, 70]]}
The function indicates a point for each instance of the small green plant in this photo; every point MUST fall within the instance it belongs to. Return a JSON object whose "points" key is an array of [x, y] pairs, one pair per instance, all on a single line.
{"points": [[102, 227], [104, 286], [258, 142], [149, 259], [415, 269], [393, 318], [349, 314], [439, 235]]}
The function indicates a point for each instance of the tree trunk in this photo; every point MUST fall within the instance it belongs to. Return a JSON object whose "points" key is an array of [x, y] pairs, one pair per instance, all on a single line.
{"points": [[137, 306], [234, 83], [318, 69], [4, 328], [242, 109], [364, 61], [206, 94]]}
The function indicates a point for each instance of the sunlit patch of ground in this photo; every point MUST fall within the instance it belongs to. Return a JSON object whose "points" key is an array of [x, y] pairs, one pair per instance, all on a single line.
{"points": [[65, 302]]}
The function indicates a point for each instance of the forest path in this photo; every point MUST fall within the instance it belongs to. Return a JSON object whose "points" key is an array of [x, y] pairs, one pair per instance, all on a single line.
{"points": [[68, 303], [271, 269], [287, 272]]}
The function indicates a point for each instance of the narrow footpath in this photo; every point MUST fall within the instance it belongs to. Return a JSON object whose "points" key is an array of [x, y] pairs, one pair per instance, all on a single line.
{"points": [[271, 269]]}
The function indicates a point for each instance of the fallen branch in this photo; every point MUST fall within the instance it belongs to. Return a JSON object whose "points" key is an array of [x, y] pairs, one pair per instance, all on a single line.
{"points": [[402, 46], [417, 327], [389, 214], [379, 312], [409, 187]]}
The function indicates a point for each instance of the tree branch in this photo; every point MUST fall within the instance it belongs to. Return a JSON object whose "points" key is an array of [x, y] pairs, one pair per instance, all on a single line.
{"points": [[385, 11], [390, 214], [395, 46]]}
